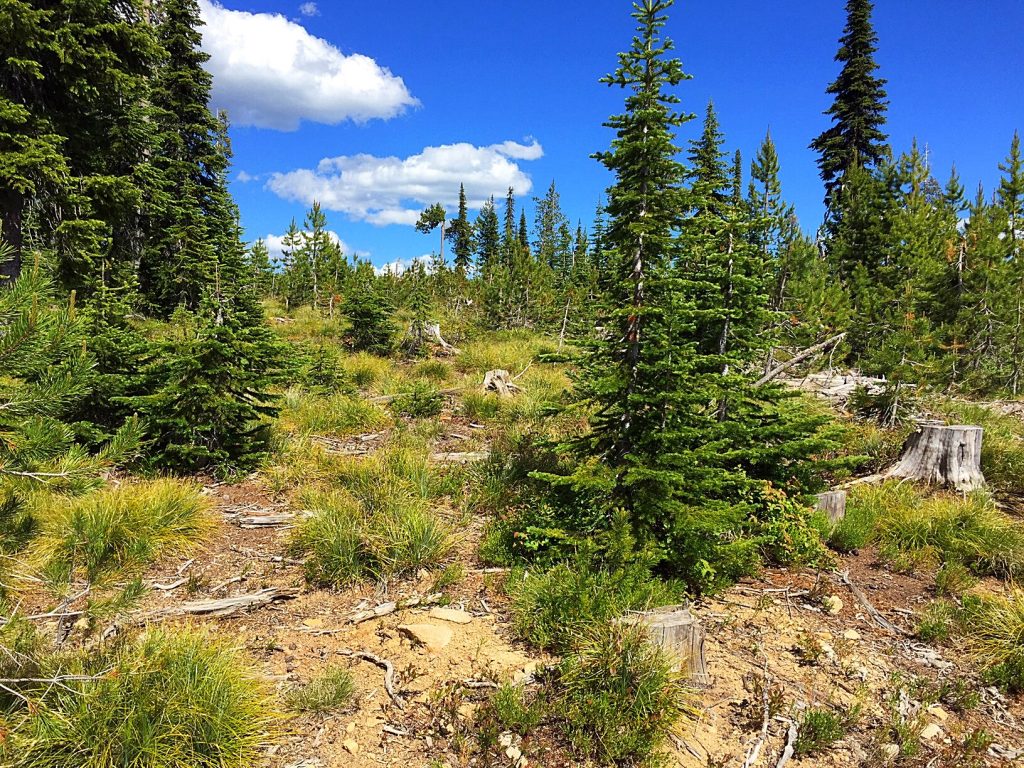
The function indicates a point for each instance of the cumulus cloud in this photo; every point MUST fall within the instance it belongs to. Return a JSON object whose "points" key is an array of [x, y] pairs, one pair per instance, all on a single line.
{"points": [[270, 72], [392, 190], [398, 266], [309, 9], [245, 177]]}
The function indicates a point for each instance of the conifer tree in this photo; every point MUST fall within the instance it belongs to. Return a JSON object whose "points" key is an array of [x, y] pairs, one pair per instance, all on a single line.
{"points": [[1011, 197], [460, 232], [707, 166], [856, 138], [261, 271], [180, 258], [488, 237], [369, 312], [434, 216]]}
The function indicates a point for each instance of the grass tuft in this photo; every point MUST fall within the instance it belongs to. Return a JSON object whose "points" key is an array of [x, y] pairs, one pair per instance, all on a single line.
{"points": [[331, 690], [170, 699], [116, 530]]}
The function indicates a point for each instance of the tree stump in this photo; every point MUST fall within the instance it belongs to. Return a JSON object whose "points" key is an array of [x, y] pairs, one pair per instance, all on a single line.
{"points": [[500, 381], [679, 632], [949, 456], [833, 504]]}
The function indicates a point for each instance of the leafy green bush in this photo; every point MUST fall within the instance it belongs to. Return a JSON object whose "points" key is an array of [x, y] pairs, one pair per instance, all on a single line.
{"points": [[113, 531], [331, 690], [165, 701], [620, 698], [789, 532], [517, 710]]}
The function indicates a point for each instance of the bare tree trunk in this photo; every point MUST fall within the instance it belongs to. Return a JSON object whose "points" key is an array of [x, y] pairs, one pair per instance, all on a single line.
{"points": [[565, 321]]}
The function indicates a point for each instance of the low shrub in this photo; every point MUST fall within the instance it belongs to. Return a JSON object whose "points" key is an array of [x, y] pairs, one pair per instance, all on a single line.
{"points": [[116, 530], [553, 609], [517, 710], [331, 690], [821, 727], [168, 700], [422, 400], [620, 698], [937, 623]]}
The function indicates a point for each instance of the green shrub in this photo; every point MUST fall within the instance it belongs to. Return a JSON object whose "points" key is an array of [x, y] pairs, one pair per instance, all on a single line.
{"points": [[517, 710], [166, 701], [822, 727], [552, 609], [620, 698], [937, 622], [116, 530], [421, 401], [790, 533], [329, 691]]}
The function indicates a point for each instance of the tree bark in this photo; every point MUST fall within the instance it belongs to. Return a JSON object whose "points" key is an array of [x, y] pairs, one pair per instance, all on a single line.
{"points": [[679, 633], [833, 504], [949, 456]]}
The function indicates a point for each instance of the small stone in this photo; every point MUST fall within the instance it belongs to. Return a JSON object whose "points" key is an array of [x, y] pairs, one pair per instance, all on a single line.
{"points": [[313, 623], [832, 604], [513, 754], [506, 739], [931, 732], [351, 745], [450, 614], [889, 751], [431, 636], [851, 634], [938, 713], [350, 728], [467, 711]]}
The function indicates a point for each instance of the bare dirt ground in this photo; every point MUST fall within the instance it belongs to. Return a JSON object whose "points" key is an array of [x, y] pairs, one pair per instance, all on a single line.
{"points": [[776, 628]]}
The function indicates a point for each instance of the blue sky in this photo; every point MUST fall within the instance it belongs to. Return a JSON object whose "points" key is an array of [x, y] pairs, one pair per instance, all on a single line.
{"points": [[379, 108]]}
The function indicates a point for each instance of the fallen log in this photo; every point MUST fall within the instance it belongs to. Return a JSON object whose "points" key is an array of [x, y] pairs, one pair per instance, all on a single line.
{"points": [[229, 606], [459, 457], [799, 358], [873, 612], [387, 608]]}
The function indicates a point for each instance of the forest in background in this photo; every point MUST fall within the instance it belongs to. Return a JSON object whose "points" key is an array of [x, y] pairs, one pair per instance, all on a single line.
{"points": [[140, 337]]}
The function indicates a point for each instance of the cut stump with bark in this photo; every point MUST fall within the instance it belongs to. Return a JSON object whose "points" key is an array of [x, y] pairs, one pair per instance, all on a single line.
{"points": [[500, 381], [679, 633], [948, 456], [833, 504]]}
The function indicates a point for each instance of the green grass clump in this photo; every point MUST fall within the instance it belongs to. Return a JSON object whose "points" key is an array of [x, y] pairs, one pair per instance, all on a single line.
{"points": [[821, 727], [116, 530], [913, 529], [436, 371], [953, 579], [996, 638], [620, 697], [552, 609], [170, 699], [509, 350], [331, 690], [366, 370], [377, 521], [336, 415]]}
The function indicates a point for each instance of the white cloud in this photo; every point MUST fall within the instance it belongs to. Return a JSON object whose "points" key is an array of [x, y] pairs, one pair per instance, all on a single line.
{"points": [[245, 177], [398, 266], [270, 72], [392, 190], [275, 246], [309, 9]]}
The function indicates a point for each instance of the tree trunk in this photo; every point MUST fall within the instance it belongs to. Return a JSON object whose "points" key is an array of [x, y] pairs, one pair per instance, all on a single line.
{"points": [[943, 455], [833, 504], [679, 633], [11, 205]]}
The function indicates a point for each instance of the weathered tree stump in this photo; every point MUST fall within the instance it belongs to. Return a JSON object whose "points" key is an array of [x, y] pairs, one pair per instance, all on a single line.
{"points": [[500, 381], [679, 632], [833, 504], [949, 456]]}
